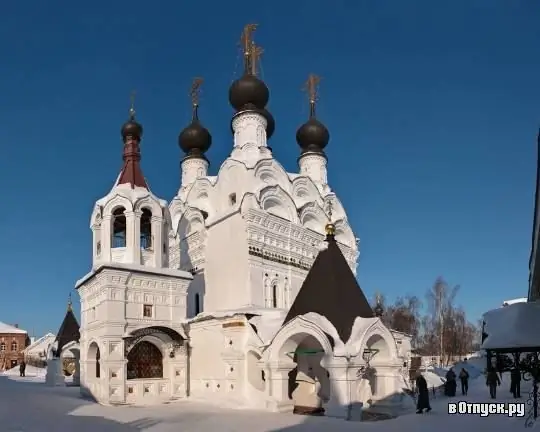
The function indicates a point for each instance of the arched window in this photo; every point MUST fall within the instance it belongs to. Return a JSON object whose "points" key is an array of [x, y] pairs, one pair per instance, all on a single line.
{"points": [[274, 295], [98, 366], [144, 361], [146, 229], [14, 346], [197, 304], [2, 346], [119, 228]]}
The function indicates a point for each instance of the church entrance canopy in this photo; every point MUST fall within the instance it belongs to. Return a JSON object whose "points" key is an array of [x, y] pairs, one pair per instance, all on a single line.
{"points": [[511, 340]]}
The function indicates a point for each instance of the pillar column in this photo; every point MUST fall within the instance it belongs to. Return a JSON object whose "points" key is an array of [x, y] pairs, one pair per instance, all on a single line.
{"points": [[157, 240], [342, 386], [106, 234], [279, 387]]}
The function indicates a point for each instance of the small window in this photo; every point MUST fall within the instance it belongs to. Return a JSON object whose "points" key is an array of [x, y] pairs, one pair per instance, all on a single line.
{"points": [[232, 199], [146, 229], [14, 346], [197, 304], [274, 296], [98, 248], [119, 228], [147, 311], [164, 248], [2, 346]]}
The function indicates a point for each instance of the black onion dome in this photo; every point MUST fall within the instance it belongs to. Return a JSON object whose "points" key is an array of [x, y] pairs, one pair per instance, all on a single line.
{"points": [[131, 127], [195, 139], [248, 92], [312, 136]]}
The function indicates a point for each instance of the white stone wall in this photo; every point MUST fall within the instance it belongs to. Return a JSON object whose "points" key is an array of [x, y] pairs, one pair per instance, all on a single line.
{"points": [[112, 303]]}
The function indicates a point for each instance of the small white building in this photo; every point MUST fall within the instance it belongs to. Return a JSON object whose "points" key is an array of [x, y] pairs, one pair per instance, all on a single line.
{"points": [[38, 349], [234, 292]]}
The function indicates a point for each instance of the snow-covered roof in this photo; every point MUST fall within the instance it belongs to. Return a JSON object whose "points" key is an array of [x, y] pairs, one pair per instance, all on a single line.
{"points": [[6, 328], [518, 300], [265, 321], [41, 344], [513, 326]]}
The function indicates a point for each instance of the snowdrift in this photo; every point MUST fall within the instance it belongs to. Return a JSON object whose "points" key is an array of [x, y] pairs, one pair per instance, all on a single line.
{"points": [[432, 379], [30, 371]]}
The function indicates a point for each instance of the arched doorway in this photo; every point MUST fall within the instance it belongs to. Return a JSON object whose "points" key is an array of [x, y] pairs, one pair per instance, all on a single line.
{"points": [[308, 381], [378, 354], [94, 356], [145, 360]]}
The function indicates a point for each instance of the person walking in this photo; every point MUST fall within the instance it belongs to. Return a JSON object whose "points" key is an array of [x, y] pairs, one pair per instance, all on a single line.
{"points": [[422, 402], [464, 378], [492, 381], [515, 382], [22, 368], [450, 385]]}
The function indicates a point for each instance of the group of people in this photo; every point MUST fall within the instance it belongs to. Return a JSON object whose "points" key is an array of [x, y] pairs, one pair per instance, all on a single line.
{"points": [[493, 381], [450, 387]]}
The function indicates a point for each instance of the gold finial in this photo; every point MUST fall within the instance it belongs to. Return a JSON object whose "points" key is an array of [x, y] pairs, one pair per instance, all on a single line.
{"points": [[246, 40], [69, 307], [132, 105], [194, 94], [311, 87], [255, 56], [330, 229]]}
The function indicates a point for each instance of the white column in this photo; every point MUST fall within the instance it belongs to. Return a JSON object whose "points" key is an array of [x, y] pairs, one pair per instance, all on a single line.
{"points": [[133, 234], [313, 165], [249, 128], [157, 240], [192, 169], [279, 387], [106, 234], [341, 385]]}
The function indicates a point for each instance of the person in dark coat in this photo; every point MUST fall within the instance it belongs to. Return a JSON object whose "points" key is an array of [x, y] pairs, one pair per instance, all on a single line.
{"points": [[450, 385], [492, 381], [22, 368], [464, 378], [423, 395], [515, 382]]}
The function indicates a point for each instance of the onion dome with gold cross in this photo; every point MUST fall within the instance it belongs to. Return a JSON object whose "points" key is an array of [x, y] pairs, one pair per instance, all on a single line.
{"points": [[250, 93], [312, 136], [195, 139]]}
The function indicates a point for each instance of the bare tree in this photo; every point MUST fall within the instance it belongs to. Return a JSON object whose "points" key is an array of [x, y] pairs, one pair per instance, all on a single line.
{"points": [[440, 299]]}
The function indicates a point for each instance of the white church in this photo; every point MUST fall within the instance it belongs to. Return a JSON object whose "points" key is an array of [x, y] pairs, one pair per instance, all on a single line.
{"points": [[241, 289]]}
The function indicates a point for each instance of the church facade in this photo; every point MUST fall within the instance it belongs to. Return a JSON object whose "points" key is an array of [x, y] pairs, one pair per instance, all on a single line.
{"points": [[239, 290]]}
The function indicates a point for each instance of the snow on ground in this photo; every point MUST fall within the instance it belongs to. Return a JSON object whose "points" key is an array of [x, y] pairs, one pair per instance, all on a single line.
{"points": [[31, 371], [432, 379], [26, 404]]}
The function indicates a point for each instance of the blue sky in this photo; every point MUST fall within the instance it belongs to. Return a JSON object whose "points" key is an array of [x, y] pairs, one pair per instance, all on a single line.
{"points": [[433, 109]]}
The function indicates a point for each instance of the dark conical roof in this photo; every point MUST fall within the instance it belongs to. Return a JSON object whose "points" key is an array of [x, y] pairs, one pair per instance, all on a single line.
{"points": [[330, 289], [69, 330]]}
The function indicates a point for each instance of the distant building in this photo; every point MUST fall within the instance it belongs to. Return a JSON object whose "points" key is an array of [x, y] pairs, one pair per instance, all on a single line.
{"points": [[13, 341], [38, 349]]}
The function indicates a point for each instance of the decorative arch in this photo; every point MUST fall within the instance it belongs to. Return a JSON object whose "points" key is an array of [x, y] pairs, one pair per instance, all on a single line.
{"points": [[371, 333], [270, 172], [200, 194], [191, 221], [344, 233], [313, 217], [276, 201], [94, 360], [115, 202], [144, 361], [149, 203], [303, 190], [291, 335]]}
